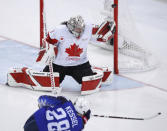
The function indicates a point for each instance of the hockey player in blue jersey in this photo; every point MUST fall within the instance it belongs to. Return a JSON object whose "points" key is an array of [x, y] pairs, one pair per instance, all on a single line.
{"points": [[59, 114]]}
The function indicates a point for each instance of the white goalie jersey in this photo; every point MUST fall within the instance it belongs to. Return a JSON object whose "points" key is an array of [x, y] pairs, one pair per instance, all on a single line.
{"points": [[72, 51], [66, 50]]}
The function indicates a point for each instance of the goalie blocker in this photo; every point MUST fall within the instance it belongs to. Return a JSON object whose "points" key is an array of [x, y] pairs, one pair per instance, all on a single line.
{"points": [[35, 80]]}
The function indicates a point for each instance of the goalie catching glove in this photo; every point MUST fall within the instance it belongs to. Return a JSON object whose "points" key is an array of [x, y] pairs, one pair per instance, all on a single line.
{"points": [[106, 31], [47, 54]]}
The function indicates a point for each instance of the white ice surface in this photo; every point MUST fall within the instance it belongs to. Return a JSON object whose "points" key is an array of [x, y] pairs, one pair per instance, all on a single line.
{"points": [[18, 104]]}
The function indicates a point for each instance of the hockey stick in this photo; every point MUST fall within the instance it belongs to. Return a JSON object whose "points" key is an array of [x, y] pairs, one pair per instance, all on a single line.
{"points": [[54, 91], [52, 80], [129, 118]]}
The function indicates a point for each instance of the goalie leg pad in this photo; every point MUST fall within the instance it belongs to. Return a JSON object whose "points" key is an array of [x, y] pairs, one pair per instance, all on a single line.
{"points": [[92, 84], [16, 77], [107, 74], [28, 78]]}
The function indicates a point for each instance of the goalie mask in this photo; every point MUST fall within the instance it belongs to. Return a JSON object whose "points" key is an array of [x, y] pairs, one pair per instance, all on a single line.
{"points": [[76, 26], [81, 105]]}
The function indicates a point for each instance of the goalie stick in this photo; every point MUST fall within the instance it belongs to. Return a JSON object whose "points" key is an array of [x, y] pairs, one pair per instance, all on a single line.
{"points": [[129, 118], [54, 91], [43, 17]]}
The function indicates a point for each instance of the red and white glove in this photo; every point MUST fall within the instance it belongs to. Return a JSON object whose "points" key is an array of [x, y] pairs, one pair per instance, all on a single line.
{"points": [[106, 31], [49, 52]]}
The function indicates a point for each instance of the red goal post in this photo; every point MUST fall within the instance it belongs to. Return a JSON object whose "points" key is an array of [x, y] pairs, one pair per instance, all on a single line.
{"points": [[41, 3], [43, 28], [116, 71]]}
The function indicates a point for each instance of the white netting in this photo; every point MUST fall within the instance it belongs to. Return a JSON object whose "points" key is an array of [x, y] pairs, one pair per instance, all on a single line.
{"points": [[134, 55]]}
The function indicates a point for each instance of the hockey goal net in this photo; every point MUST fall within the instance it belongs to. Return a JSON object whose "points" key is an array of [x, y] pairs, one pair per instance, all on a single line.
{"points": [[130, 52]]}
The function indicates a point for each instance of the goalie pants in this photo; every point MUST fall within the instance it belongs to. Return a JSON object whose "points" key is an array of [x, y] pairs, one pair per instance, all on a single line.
{"points": [[77, 72]]}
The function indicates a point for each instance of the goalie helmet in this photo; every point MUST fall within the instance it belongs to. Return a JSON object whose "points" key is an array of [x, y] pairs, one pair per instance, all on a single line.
{"points": [[81, 105], [76, 25]]}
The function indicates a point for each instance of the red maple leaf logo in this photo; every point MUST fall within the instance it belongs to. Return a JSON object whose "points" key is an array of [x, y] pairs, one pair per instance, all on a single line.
{"points": [[74, 50]]}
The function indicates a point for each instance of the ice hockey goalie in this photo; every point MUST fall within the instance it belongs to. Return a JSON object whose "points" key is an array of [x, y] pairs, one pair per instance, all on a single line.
{"points": [[66, 47]]}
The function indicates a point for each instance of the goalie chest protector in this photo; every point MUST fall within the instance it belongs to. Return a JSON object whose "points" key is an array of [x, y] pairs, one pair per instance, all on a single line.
{"points": [[72, 51]]}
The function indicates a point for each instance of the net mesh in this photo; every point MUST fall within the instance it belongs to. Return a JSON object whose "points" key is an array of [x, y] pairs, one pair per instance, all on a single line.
{"points": [[133, 53]]}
